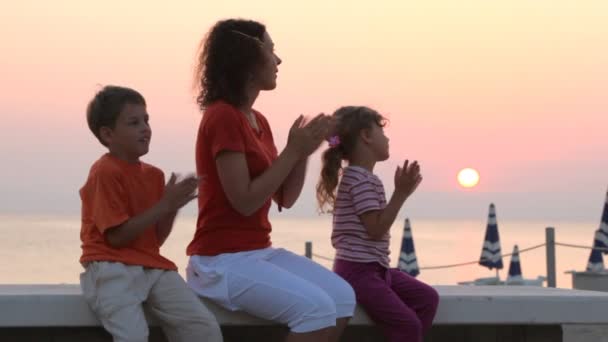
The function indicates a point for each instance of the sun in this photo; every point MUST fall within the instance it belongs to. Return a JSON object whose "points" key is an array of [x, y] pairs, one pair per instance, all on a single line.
{"points": [[468, 177]]}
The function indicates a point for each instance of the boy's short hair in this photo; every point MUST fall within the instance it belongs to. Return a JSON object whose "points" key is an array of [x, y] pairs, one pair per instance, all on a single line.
{"points": [[105, 107]]}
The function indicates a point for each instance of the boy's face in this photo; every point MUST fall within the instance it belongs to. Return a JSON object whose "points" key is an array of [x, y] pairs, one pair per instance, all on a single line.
{"points": [[130, 137]]}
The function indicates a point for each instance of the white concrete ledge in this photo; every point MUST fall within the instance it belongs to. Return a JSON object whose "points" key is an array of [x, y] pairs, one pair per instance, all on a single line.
{"points": [[64, 306]]}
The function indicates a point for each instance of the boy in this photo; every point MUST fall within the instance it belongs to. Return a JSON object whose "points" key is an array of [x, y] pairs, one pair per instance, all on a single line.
{"points": [[127, 214]]}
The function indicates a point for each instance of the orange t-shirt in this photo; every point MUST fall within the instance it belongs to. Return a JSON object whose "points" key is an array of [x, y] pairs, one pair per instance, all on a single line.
{"points": [[220, 228], [114, 192]]}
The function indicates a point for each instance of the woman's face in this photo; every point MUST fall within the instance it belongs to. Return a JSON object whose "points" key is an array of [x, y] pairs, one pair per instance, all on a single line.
{"points": [[265, 77]]}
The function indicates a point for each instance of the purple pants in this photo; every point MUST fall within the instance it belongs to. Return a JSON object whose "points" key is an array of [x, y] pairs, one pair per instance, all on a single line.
{"points": [[400, 305]]}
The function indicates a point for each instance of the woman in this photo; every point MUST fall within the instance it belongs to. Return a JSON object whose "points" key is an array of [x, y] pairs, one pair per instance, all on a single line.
{"points": [[231, 258]]}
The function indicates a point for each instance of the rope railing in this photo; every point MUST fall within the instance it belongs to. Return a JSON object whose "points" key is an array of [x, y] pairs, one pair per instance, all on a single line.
{"points": [[480, 259], [521, 251], [581, 246], [322, 257]]}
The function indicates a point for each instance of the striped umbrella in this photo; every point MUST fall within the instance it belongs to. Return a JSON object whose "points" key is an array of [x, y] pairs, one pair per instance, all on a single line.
{"points": [[596, 260], [602, 237], [515, 267], [407, 258], [491, 256]]}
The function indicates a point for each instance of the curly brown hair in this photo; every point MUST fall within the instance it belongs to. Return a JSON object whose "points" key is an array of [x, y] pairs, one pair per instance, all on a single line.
{"points": [[349, 122], [227, 57]]}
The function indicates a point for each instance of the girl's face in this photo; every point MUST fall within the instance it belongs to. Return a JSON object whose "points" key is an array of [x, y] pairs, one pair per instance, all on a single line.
{"points": [[378, 142], [265, 77]]}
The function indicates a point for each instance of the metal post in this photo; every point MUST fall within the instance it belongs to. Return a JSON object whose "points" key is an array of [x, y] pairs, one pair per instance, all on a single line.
{"points": [[550, 242], [308, 252]]}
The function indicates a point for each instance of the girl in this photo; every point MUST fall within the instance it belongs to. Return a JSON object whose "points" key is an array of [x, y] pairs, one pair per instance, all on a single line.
{"points": [[232, 260], [402, 306]]}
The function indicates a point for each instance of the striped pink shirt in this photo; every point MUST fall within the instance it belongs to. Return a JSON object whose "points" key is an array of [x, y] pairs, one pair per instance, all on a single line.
{"points": [[359, 191]]}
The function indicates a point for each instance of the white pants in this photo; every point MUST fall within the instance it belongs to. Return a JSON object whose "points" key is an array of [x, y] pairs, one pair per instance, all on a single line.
{"points": [[273, 284], [117, 293]]}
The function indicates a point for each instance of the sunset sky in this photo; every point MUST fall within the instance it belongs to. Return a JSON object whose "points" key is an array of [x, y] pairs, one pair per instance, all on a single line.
{"points": [[515, 89]]}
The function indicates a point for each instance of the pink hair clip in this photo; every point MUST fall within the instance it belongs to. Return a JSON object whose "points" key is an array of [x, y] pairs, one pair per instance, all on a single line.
{"points": [[333, 141]]}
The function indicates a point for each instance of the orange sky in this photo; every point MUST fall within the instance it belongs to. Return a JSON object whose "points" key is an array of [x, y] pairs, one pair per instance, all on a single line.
{"points": [[514, 88]]}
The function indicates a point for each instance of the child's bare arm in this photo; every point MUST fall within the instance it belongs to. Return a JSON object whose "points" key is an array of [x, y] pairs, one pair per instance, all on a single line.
{"points": [[165, 226], [379, 222], [176, 195], [121, 235]]}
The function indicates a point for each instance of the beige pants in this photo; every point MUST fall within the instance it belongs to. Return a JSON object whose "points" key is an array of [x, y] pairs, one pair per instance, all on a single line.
{"points": [[118, 293]]}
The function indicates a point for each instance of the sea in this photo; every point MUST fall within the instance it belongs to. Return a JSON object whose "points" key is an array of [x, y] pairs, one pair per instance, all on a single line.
{"points": [[45, 249]]}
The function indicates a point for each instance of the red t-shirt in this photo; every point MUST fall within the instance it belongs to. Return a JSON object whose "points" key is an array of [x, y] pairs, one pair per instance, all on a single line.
{"points": [[116, 191], [220, 228]]}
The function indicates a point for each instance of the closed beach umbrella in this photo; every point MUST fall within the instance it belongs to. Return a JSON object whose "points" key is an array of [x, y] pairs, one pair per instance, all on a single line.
{"points": [[407, 258], [596, 260], [602, 237], [491, 256], [515, 267]]}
